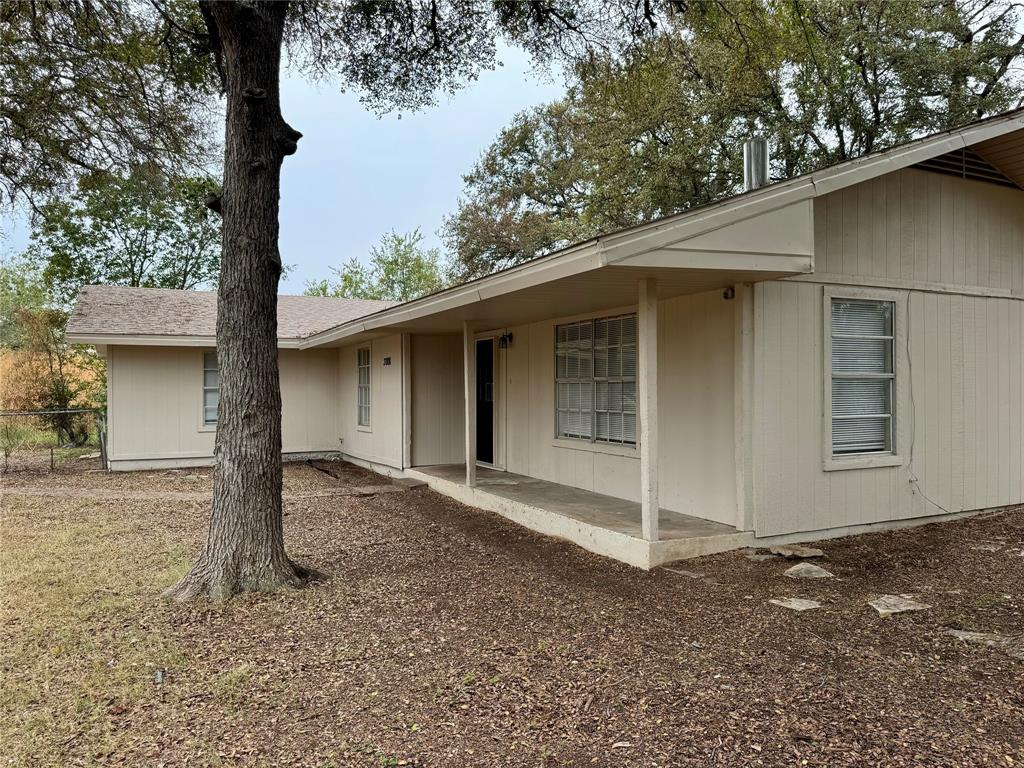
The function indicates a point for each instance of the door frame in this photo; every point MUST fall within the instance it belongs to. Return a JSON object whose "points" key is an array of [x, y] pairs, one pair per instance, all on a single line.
{"points": [[498, 410]]}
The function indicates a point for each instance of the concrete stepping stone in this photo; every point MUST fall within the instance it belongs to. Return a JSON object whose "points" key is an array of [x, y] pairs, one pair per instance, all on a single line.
{"points": [[796, 603], [1012, 645], [989, 545], [887, 605], [808, 571], [684, 572], [796, 551]]}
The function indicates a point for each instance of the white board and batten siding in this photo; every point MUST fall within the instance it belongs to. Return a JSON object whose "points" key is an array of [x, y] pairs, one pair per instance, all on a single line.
{"points": [[950, 254], [379, 442], [696, 450], [156, 398], [437, 400]]}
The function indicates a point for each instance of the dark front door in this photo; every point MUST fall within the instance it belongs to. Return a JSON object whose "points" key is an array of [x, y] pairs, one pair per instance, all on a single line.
{"points": [[485, 400]]}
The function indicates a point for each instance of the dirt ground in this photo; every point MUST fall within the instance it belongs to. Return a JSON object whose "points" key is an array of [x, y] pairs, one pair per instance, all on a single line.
{"points": [[446, 636]]}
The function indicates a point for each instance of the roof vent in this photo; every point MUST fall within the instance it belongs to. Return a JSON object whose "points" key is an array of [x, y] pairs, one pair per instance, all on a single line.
{"points": [[967, 164], [755, 163]]}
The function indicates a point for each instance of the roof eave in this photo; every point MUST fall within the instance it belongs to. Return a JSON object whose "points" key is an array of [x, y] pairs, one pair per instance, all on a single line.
{"points": [[159, 340]]}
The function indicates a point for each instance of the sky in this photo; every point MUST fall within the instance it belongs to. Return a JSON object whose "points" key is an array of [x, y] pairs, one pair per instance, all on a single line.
{"points": [[356, 176]]}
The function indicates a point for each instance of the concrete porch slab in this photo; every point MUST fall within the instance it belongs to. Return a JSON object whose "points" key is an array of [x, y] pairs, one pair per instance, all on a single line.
{"points": [[598, 523]]}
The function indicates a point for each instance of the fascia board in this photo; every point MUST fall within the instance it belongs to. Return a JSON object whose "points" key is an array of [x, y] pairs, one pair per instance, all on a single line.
{"points": [[155, 340], [585, 258]]}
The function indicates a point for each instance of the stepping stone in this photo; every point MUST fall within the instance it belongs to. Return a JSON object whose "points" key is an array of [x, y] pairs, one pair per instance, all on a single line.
{"points": [[796, 604], [808, 571], [688, 574], [988, 545], [409, 483], [887, 605], [1013, 646], [796, 551]]}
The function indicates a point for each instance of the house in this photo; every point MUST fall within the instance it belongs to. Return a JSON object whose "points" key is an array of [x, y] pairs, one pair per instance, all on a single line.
{"points": [[825, 355]]}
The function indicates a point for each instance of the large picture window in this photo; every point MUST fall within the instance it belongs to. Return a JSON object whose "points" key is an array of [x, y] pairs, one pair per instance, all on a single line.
{"points": [[863, 376], [595, 380], [363, 388], [211, 388]]}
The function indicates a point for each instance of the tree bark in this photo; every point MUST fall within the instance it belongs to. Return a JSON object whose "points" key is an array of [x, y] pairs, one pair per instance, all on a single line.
{"points": [[245, 546]]}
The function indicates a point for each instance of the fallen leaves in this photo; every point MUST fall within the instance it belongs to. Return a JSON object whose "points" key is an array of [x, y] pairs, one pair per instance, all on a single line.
{"points": [[447, 636]]}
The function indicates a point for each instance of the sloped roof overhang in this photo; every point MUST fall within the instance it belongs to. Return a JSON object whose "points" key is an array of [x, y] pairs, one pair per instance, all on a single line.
{"points": [[763, 234]]}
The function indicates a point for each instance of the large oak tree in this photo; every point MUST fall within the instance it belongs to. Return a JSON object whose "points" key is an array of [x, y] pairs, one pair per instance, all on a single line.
{"points": [[87, 84], [661, 129]]}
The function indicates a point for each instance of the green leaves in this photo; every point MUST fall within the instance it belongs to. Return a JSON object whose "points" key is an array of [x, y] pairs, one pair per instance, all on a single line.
{"points": [[138, 230], [89, 86], [658, 127], [400, 269]]}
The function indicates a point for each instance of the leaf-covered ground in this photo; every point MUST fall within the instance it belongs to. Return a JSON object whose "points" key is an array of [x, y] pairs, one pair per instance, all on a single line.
{"points": [[449, 637]]}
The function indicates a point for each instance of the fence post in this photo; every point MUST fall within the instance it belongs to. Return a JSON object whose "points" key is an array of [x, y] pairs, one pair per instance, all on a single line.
{"points": [[102, 432]]}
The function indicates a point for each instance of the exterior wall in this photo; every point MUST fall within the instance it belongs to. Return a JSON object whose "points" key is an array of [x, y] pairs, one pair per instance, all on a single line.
{"points": [[438, 403], [155, 404], [381, 442], [925, 227], [695, 385], [950, 254]]}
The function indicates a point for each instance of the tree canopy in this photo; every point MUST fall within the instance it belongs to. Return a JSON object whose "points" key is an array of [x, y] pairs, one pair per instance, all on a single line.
{"points": [[400, 269], [661, 127], [91, 86], [139, 230]]}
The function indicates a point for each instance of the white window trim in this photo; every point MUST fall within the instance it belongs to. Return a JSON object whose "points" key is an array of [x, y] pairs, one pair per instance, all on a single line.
{"points": [[830, 462], [612, 449], [592, 444], [368, 427], [203, 426]]}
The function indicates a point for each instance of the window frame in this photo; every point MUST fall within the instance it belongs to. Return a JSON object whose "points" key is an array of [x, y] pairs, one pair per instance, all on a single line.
{"points": [[866, 460], [368, 426], [594, 443], [204, 424]]}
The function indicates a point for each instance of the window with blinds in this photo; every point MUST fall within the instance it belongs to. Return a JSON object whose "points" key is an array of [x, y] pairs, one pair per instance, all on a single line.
{"points": [[211, 388], [595, 380], [863, 377], [363, 387]]}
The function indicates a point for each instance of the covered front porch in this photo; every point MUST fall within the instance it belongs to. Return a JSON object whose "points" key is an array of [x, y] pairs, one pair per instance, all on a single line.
{"points": [[601, 394], [602, 524]]}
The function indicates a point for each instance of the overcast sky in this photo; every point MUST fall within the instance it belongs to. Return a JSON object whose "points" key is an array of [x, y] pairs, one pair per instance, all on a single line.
{"points": [[356, 176]]}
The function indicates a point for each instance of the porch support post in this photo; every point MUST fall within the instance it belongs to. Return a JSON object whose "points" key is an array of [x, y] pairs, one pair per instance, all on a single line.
{"points": [[469, 372], [647, 403]]}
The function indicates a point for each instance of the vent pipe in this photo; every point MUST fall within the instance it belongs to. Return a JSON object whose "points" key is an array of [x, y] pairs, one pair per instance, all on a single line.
{"points": [[755, 163]]}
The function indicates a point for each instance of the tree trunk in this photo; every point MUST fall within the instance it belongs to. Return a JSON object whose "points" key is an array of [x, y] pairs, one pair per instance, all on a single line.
{"points": [[245, 545]]}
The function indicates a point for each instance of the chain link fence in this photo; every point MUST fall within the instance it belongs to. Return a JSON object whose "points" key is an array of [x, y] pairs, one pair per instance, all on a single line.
{"points": [[39, 440]]}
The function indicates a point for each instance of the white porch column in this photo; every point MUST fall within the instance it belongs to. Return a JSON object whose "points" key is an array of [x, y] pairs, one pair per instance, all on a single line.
{"points": [[469, 372], [647, 405]]}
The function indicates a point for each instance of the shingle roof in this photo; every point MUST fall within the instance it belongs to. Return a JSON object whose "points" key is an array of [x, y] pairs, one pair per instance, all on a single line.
{"points": [[108, 310]]}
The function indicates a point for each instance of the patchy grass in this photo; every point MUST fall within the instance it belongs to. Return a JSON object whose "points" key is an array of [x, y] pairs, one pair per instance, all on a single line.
{"points": [[83, 634], [446, 636]]}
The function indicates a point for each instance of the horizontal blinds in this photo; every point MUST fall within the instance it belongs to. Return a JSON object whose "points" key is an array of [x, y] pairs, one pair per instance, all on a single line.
{"points": [[862, 376], [574, 367], [363, 386], [595, 371], [211, 388]]}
